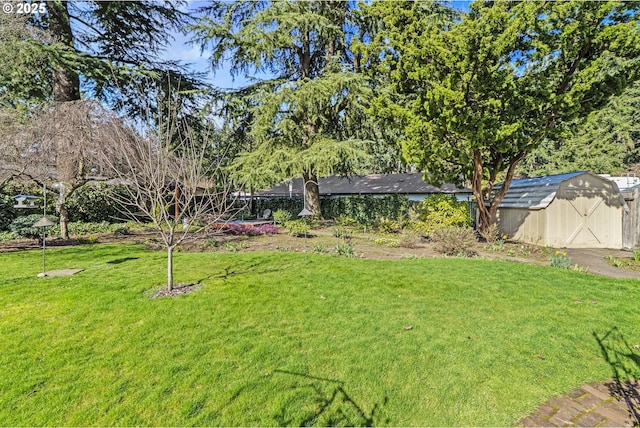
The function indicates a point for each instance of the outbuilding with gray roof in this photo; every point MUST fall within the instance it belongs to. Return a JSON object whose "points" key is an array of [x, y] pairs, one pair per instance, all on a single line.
{"points": [[573, 210]]}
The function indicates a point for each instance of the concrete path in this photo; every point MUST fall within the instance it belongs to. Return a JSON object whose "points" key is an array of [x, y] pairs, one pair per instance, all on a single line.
{"points": [[594, 259], [60, 272], [608, 404]]}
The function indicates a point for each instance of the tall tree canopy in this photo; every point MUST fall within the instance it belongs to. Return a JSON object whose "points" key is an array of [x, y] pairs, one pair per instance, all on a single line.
{"points": [[104, 45], [88, 49], [476, 95], [305, 115], [607, 142]]}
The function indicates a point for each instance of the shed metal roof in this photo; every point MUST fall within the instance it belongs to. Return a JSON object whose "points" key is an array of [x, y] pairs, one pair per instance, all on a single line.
{"points": [[535, 193], [372, 184]]}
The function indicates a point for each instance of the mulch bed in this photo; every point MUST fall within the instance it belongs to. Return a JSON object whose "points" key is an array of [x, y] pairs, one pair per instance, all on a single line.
{"points": [[177, 290]]}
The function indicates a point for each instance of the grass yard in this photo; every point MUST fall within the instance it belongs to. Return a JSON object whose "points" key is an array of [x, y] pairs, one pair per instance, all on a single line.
{"points": [[268, 339]]}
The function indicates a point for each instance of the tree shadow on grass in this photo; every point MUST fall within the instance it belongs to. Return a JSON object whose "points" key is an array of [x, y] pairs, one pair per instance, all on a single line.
{"points": [[121, 260], [329, 404], [624, 360], [247, 269]]}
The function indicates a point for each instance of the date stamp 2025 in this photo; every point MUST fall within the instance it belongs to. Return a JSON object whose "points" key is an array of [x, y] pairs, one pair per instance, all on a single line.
{"points": [[24, 8]]}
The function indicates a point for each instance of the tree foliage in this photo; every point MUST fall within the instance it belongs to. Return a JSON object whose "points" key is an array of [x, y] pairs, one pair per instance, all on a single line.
{"points": [[90, 50], [305, 115], [474, 96], [108, 46], [607, 142]]}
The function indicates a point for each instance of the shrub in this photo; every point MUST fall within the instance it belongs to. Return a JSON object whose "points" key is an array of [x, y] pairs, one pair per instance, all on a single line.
{"points": [[268, 229], [281, 216], [366, 209], [23, 226], [341, 232], [498, 244], [388, 226], [439, 211], [210, 244], [94, 203], [409, 238], [7, 212], [345, 250], [453, 241], [297, 227], [392, 243], [319, 248], [241, 230], [7, 236], [232, 248], [491, 234], [345, 220]]}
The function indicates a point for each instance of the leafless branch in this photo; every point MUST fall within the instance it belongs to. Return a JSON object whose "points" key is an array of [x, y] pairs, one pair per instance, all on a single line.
{"points": [[170, 178]]}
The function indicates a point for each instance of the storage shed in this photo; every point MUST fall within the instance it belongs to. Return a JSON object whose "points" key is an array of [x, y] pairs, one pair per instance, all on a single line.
{"points": [[574, 210]]}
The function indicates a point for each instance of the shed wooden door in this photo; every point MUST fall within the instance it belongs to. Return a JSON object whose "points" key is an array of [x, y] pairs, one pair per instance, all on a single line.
{"points": [[587, 219]]}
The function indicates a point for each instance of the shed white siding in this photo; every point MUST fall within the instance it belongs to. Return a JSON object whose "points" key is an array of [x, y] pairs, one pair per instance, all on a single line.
{"points": [[578, 210]]}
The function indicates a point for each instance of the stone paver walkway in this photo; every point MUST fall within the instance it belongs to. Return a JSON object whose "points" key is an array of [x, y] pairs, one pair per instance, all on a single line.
{"points": [[608, 404]]}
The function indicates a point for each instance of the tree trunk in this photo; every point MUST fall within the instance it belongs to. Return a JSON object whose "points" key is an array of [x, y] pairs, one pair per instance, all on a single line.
{"points": [[61, 208], [312, 192], [66, 83], [64, 220], [488, 203], [170, 267], [66, 87]]}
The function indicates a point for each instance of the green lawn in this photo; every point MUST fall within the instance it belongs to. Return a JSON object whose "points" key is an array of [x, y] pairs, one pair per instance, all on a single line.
{"points": [[268, 339]]}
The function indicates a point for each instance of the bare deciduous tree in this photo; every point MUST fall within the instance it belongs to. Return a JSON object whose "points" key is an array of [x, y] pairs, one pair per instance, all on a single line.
{"points": [[58, 145], [170, 178]]}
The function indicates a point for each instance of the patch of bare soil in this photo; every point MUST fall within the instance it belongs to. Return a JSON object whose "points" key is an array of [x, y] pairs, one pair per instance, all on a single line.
{"points": [[177, 290], [365, 245], [321, 240], [104, 238]]}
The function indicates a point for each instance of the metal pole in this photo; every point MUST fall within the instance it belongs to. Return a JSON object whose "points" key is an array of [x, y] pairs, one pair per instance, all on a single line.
{"points": [[44, 229], [304, 193], [304, 207], [44, 247], [305, 241]]}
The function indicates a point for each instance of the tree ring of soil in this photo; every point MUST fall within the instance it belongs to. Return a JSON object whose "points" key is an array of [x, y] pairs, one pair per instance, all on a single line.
{"points": [[177, 290]]}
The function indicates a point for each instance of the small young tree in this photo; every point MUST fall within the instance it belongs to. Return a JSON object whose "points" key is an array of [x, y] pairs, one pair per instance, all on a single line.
{"points": [[170, 178]]}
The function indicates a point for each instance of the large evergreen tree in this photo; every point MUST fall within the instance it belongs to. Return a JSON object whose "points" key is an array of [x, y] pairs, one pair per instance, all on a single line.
{"points": [[607, 142], [102, 49], [304, 114], [475, 96]]}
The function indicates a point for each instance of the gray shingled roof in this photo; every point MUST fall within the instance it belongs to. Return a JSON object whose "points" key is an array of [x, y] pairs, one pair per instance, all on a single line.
{"points": [[536, 193], [373, 184]]}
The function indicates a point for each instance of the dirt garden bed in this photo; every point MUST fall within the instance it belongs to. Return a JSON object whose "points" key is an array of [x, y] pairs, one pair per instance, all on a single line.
{"points": [[361, 244]]}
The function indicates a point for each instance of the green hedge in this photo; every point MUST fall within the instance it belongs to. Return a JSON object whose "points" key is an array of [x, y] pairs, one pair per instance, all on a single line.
{"points": [[23, 226], [365, 209], [7, 212], [92, 203]]}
